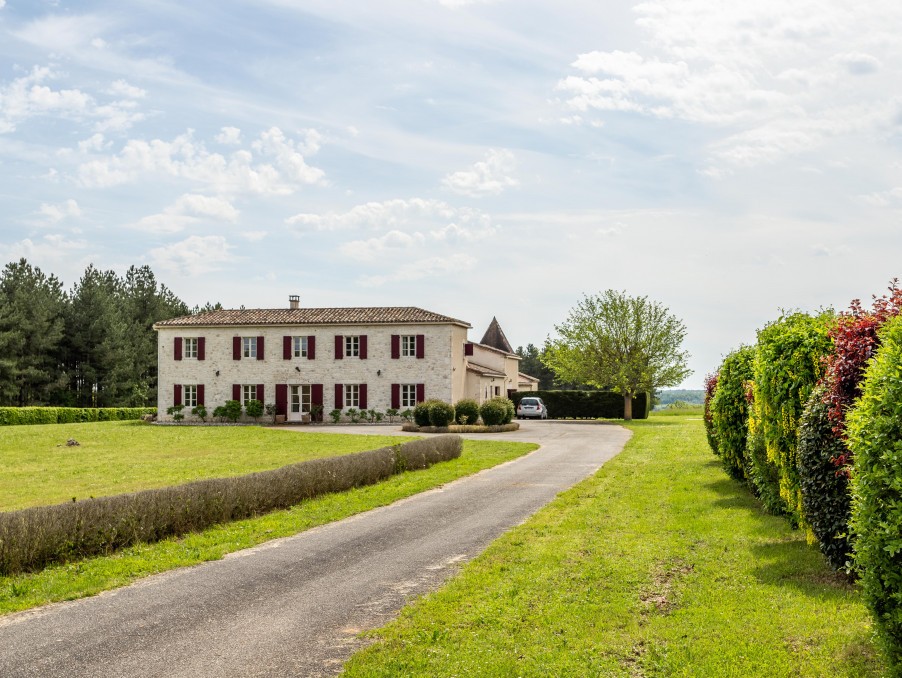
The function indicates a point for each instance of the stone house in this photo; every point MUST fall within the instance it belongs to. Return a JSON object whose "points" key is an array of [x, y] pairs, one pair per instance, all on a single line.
{"points": [[300, 358]]}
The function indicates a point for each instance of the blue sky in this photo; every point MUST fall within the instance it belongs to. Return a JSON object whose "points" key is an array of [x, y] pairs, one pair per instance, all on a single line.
{"points": [[475, 158]]}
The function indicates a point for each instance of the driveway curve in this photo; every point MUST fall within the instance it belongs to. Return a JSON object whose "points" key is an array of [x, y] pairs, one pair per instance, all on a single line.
{"points": [[295, 606]]}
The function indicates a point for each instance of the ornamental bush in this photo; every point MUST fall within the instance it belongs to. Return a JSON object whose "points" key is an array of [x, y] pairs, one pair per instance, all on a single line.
{"points": [[232, 410], [466, 411], [441, 414], [825, 487], [494, 412], [421, 413], [19, 416], [789, 361], [254, 409], [874, 428], [729, 411], [762, 473], [710, 390]]}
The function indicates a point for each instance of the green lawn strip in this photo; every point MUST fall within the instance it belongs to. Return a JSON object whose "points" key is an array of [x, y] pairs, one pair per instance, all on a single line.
{"points": [[658, 565], [87, 577], [115, 457]]}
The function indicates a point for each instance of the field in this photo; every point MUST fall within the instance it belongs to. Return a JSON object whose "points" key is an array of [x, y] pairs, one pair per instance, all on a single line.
{"points": [[659, 565], [130, 453]]}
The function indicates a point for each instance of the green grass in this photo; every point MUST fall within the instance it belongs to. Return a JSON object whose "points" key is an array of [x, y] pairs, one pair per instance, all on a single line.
{"points": [[87, 577], [115, 457], [659, 565]]}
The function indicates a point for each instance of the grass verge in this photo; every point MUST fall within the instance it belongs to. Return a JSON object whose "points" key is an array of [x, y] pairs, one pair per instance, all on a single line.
{"points": [[115, 457], [90, 576], [659, 565]]}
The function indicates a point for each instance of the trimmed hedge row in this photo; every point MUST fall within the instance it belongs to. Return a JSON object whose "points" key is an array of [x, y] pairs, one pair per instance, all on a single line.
{"points": [[586, 404], [19, 416], [35, 537]]}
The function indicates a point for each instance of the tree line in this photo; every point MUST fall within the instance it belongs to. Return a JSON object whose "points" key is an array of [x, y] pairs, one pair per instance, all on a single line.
{"points": [[90, 346]]}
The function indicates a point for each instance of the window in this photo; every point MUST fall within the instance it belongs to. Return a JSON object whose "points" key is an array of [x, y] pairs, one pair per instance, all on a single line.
{"points": [[189, 398], [190, 350], [249, 347], [300, 347], [408, 346], [352, 348], [497, 391], [300, 398], [408, 395], [352, 395], [248, 392]]}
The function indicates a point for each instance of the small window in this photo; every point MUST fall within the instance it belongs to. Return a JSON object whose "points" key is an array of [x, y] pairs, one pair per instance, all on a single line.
{"points": [[190, 347], [352, 395], [300, 347], [352, 348], [189, 396], [248, 392], [497, 391], [409, 346], [408, 395], [249, 347]]}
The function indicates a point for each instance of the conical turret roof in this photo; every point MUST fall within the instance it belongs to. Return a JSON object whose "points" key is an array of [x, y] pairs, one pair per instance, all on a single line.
{"points": [[494, 337]]}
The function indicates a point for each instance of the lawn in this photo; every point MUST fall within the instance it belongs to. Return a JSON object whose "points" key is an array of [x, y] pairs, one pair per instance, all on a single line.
{"points": [[658, 565], [115, 457], [93, 575]]}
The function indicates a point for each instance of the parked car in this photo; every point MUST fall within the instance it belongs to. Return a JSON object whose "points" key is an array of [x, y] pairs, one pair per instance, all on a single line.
{"points": [[532, 408]]}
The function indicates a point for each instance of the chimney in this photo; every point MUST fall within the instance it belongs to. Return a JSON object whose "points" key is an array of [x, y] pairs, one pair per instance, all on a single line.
{"points": [[294, 301]]}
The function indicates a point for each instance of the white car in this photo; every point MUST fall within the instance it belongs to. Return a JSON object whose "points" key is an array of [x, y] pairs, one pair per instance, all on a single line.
{"points": [[532, 408]]}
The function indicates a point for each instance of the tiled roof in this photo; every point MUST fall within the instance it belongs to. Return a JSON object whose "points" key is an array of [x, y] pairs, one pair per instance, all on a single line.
{"points": [[377, 315], [528, 377], [483, 370], [494, 337]]}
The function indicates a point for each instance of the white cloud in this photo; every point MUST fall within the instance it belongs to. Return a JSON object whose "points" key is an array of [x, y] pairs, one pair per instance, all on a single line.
{"points": [[187, 210], [194, 255], [121, 88], [425, 268], [230, 136], [52, 214], [58, 32], [486, 177], [413, 214], [51, 248], [96, 142], [373, 248], [254, 236], [2, 4], [188, 159]]}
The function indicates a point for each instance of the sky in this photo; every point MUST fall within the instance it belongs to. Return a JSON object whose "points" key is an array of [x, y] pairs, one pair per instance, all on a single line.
{"points": [[476, 158]]}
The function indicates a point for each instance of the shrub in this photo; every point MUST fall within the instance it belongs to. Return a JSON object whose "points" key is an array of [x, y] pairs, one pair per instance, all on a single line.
{"points": [[494, 412], [391, 413], [316, 412], [220, 413], [254, 409], [175, 411], [788, 364], [35, 537], [200, 412], [353, 414], [441, 414], [335, 415], [421, 412], [874, 428], [466, 411], [710, 391], [232, 410], [22, 416], [407, 415], [825, 488], [729, 411], [763, 474], [587, 404]]}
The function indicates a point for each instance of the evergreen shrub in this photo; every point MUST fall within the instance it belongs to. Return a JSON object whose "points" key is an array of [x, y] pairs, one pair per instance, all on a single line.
{"points": [[708, 417], [441, 414], [421, 412], [21, 416], [466, 411], [494, 412], [586, 404], [729, 411]]}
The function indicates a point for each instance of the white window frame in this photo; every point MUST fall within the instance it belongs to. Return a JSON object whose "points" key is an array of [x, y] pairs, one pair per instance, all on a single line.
{"points": [[352, 396], [190, 347], [408, 396], [248, 347], [189, 395], [303, 402], [408, 346], [248, 393], [299, 347], [352, 346]]}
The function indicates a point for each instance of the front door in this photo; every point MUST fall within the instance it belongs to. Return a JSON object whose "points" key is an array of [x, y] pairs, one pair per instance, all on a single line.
{"points": [[298, 401]]}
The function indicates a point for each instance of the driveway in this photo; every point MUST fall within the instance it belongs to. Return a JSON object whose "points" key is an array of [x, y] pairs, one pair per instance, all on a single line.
{"points": [[295, 606]]}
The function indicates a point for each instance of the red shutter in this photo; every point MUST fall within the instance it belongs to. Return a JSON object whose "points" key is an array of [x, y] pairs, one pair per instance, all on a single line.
{"points": [[395, 346], [177, 345], [236, 350], [236, 392], [260, 350], [468, 348], [177, 394], [286, 348], [282, 399], [362, 393], [200, 395], [339, 396], [339, 347], [311, 348], [421, 392], [260, 395], [363, 347], [316, 394], [396, 396], [201, 348], [421, 346]]}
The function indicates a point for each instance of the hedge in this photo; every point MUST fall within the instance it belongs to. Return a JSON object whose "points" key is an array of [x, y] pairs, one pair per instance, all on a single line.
{"points": [[729, 411], [586, 404], [874, 427], [19, 416], [35, 537]]}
